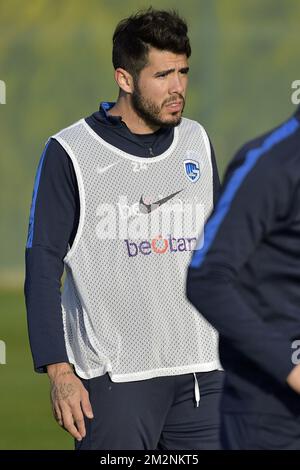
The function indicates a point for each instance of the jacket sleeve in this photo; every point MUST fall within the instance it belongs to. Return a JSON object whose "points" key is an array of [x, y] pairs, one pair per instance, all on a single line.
{"points": [[53, 224], [216, 179], [246, 211]]}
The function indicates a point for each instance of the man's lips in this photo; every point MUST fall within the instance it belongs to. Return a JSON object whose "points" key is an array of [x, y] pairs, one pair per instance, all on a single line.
{"points": [[174, 106]]}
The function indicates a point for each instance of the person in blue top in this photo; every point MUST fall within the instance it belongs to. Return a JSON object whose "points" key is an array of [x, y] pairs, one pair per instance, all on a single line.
{"points": [[118, 342], [245, 281]]}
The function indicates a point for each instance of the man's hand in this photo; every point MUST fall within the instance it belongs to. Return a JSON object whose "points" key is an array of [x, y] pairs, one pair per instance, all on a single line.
{"points": [[293, 379], [69, 399]]}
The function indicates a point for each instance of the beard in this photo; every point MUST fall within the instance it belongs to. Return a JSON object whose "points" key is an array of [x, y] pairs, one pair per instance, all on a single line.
{"points": [[150, 112]]}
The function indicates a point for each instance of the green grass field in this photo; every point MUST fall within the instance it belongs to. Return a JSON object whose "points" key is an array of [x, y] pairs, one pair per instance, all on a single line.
{"points": [[25, 411]]}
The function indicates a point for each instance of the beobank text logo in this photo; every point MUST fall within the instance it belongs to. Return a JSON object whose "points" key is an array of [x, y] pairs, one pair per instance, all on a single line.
{"points": [[160, 245]]}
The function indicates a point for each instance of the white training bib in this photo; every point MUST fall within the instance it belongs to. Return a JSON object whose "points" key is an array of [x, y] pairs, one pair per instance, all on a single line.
{"points": [[124, 306]]}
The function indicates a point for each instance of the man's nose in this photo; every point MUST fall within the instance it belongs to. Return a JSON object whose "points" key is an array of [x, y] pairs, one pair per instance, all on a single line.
{"points": [[176, 85]]}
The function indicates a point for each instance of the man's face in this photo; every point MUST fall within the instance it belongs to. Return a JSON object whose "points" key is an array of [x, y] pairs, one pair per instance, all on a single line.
{"points": [[159, 94]]}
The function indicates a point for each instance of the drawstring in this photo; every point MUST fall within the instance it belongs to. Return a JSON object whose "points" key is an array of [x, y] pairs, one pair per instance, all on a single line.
{"points": [[197, 391]]}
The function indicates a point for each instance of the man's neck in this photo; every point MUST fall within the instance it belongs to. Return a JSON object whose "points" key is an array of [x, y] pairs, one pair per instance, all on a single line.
{"points": [[132, 120]]}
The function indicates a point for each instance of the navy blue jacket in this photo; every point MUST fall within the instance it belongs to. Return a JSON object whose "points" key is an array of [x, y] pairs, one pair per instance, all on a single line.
{"points": [[53, 224], [245, 279]]}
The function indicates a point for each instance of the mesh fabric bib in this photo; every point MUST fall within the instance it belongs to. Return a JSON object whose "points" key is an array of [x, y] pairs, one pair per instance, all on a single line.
{"points": [[123, 303]]}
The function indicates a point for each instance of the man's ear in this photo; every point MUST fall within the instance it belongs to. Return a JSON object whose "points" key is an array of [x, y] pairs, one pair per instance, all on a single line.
{"points": [[124, 80]]}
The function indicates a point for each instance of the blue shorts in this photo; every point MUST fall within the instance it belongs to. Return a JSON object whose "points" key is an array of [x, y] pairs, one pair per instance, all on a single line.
{"points": [[154, 414]]}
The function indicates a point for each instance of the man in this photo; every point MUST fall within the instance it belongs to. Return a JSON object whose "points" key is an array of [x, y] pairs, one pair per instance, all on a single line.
{"points": [[142, 354], [245, 281]]}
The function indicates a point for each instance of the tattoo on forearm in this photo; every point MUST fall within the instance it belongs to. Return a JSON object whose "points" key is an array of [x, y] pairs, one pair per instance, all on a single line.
{"points": [[66, 372]]}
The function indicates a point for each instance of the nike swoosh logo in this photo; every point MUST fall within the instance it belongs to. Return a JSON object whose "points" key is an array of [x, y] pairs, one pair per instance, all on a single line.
{"points": [[105, 168], [147, 208]]}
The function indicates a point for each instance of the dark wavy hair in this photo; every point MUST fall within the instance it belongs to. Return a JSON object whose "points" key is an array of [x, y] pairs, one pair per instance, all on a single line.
{"points": [[133, 37]]}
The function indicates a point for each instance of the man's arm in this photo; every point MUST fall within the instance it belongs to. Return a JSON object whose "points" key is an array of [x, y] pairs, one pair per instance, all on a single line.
{"points": [[53, 224], [244, 215]]}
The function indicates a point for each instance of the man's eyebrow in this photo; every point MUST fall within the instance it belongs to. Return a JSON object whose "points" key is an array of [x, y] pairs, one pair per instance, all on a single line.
{"points": [[167, 72]]}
